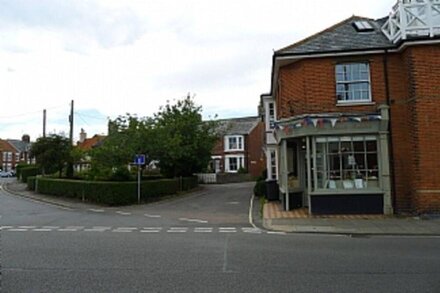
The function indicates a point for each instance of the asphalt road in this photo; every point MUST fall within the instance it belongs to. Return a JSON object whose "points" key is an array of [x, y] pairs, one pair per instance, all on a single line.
{"points": [[200, 243]]}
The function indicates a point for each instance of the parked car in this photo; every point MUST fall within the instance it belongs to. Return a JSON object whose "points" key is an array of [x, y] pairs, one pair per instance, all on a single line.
{"points": [[5, 174]]}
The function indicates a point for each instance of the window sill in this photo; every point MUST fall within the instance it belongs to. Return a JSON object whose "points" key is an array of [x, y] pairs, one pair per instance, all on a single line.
{"points": [[231, 151], [351, 104]]}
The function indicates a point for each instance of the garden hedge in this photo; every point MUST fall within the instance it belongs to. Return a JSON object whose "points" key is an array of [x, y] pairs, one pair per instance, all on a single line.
{"points": [[113, 193], [31, 182], [27, 172]]}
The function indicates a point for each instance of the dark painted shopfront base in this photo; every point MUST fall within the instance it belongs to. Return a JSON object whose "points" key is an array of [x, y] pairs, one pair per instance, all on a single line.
{"points": [[346, 204]]}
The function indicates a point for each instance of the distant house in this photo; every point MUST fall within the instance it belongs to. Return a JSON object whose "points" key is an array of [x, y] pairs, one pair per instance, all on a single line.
{"points": [[240, 147], [13, 152], [353, 115], [87, 144]]}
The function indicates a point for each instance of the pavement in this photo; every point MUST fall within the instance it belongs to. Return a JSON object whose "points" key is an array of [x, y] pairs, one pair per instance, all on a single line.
{"points": [[272, 217], [299, 221]]}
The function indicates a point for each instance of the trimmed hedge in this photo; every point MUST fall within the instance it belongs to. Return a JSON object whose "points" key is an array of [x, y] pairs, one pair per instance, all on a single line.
{"points": [[31, 183], [26, 172], [113, 193]]}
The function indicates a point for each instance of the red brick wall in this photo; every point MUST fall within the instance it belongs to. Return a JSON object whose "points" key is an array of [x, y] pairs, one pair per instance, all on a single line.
{"points": [[423, 109], [256, 159], [6, 147], [309, 86]]}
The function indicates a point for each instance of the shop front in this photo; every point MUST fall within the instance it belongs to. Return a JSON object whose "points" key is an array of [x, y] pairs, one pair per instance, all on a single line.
{"points": [[335, 163]]}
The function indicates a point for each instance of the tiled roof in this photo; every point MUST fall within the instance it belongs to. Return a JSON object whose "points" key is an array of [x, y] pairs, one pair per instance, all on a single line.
{"points": [[19, 145], [92, 142], [342, 37], [239, 126]]}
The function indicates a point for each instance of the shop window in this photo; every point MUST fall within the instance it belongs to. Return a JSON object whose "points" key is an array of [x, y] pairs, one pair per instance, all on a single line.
{"points": [[353, 82], [347, 162]]}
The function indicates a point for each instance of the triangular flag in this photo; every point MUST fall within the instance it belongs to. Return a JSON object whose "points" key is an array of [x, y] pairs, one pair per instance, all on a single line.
{"points": [[333, 121], [315, 122]]}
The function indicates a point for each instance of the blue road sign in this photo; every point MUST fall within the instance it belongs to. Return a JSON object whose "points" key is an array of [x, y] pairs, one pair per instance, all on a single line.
{"points": [[139, 159]]}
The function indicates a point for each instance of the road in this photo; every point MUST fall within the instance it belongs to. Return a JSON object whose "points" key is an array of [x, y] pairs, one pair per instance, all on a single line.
{"points": [[202, 242]]}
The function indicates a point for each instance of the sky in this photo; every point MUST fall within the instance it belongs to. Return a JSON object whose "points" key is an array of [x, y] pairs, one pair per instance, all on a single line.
{"points": [[114, 57]]}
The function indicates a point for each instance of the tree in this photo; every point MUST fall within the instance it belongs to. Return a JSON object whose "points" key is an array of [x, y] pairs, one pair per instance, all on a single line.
{"points": [[182, 140], [52, 153], [129, 135]]}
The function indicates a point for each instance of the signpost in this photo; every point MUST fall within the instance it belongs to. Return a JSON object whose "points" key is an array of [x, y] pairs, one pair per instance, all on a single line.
{"points": [[139, 160]]}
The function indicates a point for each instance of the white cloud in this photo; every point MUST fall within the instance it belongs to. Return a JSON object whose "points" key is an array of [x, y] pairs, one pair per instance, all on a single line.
{"points": [[115, 56]]}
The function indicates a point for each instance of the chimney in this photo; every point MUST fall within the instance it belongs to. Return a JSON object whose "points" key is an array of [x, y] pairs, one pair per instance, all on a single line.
{"points": [[26, 138], [82, 136]]}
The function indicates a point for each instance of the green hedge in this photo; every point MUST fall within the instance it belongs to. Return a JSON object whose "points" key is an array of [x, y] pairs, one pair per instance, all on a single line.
{"points": [[112, 193], [31, 182], [28, 171]]}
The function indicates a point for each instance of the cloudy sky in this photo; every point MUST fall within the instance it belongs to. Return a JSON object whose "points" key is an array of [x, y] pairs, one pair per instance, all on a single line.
{"points": [[130, 56]]}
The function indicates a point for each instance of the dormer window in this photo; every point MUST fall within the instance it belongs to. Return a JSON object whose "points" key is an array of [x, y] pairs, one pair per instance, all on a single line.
{"points": [[353, 83], [234, 143]]}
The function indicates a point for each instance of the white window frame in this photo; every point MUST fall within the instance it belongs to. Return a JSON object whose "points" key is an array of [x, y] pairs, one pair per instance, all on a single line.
{"points": [[239, 143], [240, 163], [350, 81]]}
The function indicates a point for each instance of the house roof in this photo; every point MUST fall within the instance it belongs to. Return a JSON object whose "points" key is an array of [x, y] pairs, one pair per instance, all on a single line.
{"points": [[239, 126], [342, 37], [19, 145], [92, 142]]}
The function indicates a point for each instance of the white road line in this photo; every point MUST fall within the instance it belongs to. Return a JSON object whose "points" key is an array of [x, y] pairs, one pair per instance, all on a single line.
{"points": [[202, 230], [17, 230], [75, 227], [67, 230], [193, 220], [276, 233], [123, 213], [42, 230], [152, 216], [27, 227], [97, 210], [152, 228], [251, 230], [6, 227], [97, 229], [149, 231], [227, 230], [177, 230], [50, 227]]}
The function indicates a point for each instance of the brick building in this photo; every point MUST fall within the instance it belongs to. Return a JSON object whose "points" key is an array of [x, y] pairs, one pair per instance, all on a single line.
{"points": [[352, 119], [240, 146], [13, 152]]}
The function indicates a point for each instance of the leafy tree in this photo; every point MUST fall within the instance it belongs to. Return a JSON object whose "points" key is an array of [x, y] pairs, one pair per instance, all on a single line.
{"points": [[182, 140], [52, 153], [129, 135]]}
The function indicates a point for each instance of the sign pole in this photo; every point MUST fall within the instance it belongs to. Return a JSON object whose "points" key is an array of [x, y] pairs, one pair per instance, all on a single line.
{"points": [[139, 184]]}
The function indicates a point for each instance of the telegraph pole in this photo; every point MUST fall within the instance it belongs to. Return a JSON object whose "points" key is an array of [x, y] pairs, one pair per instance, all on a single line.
{"points": [[44, 123], [71, 123]]}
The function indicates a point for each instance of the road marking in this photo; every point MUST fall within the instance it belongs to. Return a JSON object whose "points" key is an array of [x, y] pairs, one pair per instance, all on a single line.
{"points": [[151, 229], [98, 229], [193, 220], [50, 227], [18, 230], [67, 230], [27, 227], [97, 210], [203, 230], [227, 230], [42, 230], [233, 202], [123, 213], [6, 227], [251, 230], [177, 230], [276, 233], [152, 216]]}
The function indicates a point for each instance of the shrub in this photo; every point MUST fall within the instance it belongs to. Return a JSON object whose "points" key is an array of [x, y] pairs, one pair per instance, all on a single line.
{"points": [[31, 183], [112, 193], [19, 167], [29, 171], [260, 187]]}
